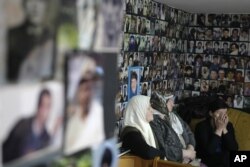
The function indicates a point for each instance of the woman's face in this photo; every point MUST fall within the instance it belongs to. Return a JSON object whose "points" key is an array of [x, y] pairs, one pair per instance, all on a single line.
{"points": [[149, 114], [170, 105]]}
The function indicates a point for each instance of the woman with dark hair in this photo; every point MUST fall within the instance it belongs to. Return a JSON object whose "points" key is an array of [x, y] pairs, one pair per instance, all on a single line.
{"points": [[215, 136]]}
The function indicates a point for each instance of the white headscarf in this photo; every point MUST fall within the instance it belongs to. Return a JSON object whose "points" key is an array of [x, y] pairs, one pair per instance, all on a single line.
{"points": [[135, 116]]}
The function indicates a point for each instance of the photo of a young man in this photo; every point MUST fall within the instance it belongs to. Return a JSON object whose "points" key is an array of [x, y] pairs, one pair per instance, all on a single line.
{"points": [[33, 122], [133, 81]]}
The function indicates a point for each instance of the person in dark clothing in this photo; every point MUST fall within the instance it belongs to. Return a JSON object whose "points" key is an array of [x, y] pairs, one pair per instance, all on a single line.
{"points": [[137, 135], [173, 135], [30, 134], [215, 136]]}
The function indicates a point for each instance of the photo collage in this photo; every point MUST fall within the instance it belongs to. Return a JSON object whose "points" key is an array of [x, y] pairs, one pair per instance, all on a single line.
{"points": [[218, 58], [153, 52], [184, 54]]}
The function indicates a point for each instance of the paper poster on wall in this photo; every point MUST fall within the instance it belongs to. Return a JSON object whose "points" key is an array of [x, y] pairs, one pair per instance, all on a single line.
{"points": [[134, 76], [31, 41]]}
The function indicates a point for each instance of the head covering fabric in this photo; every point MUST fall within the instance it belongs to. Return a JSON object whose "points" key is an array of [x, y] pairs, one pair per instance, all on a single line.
{"points": [[135, 116]]}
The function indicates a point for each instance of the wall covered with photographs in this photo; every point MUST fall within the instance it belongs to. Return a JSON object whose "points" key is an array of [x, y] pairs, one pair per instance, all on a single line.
{"points": [[153, 52], [186, 54], [218, 59]]}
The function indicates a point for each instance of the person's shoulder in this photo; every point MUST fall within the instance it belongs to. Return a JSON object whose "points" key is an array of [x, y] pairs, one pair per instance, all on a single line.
{"points": [[230, 125], [202, 124], [129, 130]]}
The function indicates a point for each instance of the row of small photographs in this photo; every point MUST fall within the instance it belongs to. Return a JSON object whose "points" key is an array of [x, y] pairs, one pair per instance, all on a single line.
{"points": [[153, 73], [42, 105], [142, 25], [216, 61], [149, 73], [133, 42], [237, 75], [217, 34], [170, 59], [161, 11], [151, 9], [151, 59], [222, 48], [166, 86], [220, 20]]}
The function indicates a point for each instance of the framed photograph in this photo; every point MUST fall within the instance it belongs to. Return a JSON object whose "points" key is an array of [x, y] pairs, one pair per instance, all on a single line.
{"points": [[217, 33], [225, 20], [238, 101], [32, 60], [134, 76], [86, 99], [39, 105], [234, 49], [247, 89], [133, 24], [247, 103], [127, 23], [244, 18], [209, 19], [192, 19], [247, 76], [109, 27], [235, 32], [243, 49], [244, 34], [217, 20], [201, 18], [229, 100], [106, 154], [235, 21], [199, 47], [225, 47]]}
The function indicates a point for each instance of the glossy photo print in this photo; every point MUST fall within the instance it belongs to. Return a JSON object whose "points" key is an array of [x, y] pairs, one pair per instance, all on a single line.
{"points": [[31, 41], [32, 123], [134, 75], [105, 155], [84, 111], [110, 18]]}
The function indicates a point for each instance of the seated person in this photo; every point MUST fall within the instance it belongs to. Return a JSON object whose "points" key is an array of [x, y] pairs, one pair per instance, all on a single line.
{"points": [[172, 133], [137, 134], [215, 136]]}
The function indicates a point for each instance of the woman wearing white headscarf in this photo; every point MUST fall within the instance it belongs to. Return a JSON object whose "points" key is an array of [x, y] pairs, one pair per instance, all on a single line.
{"points": [[137, 134]]}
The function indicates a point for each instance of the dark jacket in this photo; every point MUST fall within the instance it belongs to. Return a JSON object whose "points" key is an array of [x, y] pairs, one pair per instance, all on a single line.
{"points": [[168, 140], [21, 141], [211, 148], [133, 140]]}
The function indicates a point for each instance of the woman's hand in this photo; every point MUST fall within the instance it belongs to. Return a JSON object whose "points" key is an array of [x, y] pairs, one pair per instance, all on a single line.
{"points": [[221, 122], [190, 154], [190, 147]]}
